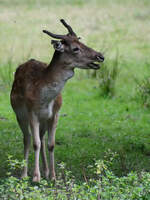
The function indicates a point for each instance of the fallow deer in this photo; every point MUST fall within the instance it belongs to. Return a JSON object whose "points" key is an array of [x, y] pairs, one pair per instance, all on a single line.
{"points": [[36, 98]]}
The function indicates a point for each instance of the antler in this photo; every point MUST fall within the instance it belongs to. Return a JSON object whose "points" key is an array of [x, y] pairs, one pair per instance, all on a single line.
{"points": [[68, 27], [71, 32], [54, 35]]}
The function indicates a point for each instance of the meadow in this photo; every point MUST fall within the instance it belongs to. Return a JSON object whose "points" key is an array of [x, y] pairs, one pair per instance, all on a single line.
{"points": [[93, 124]]}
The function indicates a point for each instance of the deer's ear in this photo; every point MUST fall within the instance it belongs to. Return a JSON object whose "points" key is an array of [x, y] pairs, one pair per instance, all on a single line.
{"points": [[58, 46]]}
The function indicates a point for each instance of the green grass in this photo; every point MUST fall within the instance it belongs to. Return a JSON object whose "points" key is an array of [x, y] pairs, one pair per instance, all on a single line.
{"points": [[89, 124]]}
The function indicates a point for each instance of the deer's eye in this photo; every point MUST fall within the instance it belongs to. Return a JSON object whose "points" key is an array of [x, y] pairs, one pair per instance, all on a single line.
{"points": [[76, 49]]}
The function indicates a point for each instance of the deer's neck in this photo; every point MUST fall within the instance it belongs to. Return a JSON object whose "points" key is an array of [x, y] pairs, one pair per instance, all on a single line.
{"points": [[57, 71], [56, 76]]}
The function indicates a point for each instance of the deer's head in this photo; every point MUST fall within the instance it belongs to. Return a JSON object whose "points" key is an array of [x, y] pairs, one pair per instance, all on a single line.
{"points": [[72, 52]]}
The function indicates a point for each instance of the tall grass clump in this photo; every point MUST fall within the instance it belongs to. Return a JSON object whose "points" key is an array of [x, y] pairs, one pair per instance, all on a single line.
{"points": [[6, 73], [107, 77], [143, 91], [8, 68]]}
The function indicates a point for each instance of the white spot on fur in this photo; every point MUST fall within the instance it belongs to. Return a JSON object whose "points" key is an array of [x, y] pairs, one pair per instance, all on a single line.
{"points": [[46, 111]]}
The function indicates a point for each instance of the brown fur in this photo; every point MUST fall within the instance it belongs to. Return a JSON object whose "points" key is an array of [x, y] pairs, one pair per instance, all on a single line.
{"points": [[31, 74]]}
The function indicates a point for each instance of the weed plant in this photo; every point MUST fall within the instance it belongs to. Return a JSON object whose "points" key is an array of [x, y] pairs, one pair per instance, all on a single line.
{"points": [[105, 186]]}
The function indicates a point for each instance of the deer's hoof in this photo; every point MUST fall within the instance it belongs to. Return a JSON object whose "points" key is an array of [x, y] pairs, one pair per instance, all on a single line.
{"points": [[24, 175], [46, 173], [53, 178], [36, 178]]}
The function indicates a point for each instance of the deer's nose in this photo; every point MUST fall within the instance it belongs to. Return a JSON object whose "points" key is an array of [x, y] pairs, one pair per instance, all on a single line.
{"points": [[100, 57]]}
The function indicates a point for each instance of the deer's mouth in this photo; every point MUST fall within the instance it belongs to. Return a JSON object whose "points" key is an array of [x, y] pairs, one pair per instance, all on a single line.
{"points": [[94, 65]]}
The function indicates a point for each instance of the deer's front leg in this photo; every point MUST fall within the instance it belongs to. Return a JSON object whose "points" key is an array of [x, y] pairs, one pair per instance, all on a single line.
{"points": [[51, 144], [34, 123], [43, 154]]}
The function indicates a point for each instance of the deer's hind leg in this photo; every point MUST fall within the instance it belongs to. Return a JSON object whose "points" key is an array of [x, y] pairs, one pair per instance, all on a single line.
{"points": [[24, 126]]}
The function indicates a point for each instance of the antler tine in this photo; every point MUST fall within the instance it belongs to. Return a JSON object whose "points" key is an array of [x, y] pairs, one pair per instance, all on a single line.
{"points": [[54, 35], [68, 27]]}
